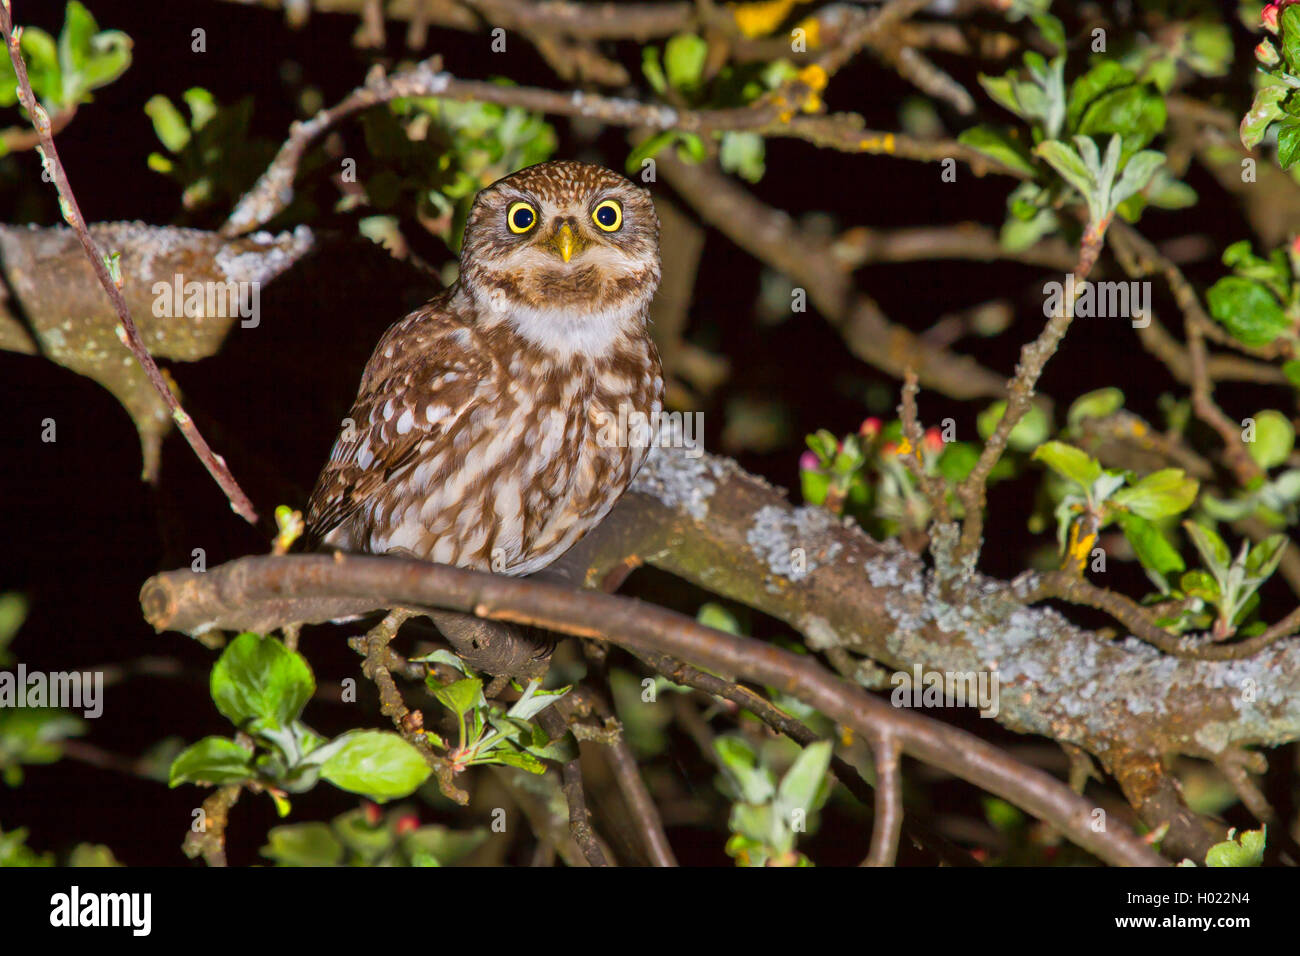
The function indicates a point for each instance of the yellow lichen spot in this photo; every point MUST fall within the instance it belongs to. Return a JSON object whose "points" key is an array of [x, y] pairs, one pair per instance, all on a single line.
{"points": [[1139, 429], [889, 143], [814, 77], [1079, 547], [812, 31], [846, 736], [785, 116], [762, 17], [904, 446], [813, 104]]}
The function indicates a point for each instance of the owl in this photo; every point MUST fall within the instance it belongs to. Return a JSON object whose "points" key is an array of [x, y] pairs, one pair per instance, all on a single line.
{"points": [[490, 429]]}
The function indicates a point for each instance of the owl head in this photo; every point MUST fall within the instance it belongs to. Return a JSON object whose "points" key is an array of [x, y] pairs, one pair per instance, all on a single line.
{"points": [[563, 251]]}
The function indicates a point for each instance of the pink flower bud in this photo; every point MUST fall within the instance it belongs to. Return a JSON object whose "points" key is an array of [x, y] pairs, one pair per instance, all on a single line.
{"points": [[1270, 15], [869, 428], [374, 816], [933, 440], [808, 461], [1266, 53], [408, 823]]}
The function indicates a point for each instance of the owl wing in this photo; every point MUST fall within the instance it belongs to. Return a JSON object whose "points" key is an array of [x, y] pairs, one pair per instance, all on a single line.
{"points": [[420, 380]]}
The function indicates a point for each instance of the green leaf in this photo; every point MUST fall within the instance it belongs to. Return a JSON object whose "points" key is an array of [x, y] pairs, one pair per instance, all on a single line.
{"points": [[804, 780], [1071, 167], [1159, 495], [215, 760], [1201, 584], [168, 123], [1153, 549], [1106, 75], [1095, 404], [1274, 439], [1265, 556], [376, 763], [1263, 111], [653, 70], [1244, 850], [742, 154], [997, 145], [1136, 113], [1288, 144], [303, 844], [1137, 173], [1069, 462], [754, 783], [460, 696], [1247, 310], [1212, 549], [684, 57], [1032, 429], [718, 617], [259, 678], [1289, 30], [1001, 91]]}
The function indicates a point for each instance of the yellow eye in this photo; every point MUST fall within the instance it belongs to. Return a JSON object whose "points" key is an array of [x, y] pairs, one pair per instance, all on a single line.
{"points": [[608, 215], [521, 217]]}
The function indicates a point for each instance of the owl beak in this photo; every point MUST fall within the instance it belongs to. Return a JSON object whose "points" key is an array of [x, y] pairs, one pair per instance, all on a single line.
{"points": [[565, 243]]}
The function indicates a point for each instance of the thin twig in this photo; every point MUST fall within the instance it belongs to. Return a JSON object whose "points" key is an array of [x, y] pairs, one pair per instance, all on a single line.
{"points": [[889, 801], [126, 331]]}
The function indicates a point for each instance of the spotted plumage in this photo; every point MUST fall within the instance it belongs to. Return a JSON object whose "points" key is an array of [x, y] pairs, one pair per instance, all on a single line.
{"points": [[485, 431]]}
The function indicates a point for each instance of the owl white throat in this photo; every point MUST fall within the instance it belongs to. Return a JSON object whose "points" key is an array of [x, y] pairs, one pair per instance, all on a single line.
{"points": [[566, 332]]}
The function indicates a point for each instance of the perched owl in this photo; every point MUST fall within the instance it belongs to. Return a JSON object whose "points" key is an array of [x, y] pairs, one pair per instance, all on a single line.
{"points": [[485, 431]]}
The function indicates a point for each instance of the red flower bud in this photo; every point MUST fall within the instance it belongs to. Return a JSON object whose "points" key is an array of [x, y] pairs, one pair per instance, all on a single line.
{"points": [[1266, 53], [407, 823], [1270, 14], [869, 428], [374, 816], [933, 440]]}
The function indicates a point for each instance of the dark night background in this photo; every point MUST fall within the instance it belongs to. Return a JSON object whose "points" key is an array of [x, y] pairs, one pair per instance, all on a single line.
{"points": [[82, 532]]}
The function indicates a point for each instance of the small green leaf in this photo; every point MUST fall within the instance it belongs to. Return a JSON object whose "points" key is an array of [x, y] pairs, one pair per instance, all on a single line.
{"points": [[376, 763], [1288, 144], [997, 145], [1265, 556], [1212, 549], [1069, 462], [1244, 850], [1201, 584], [1159, 495], [1153, 549], [801, 784], [303, 844], [1096, 404], [1062, 158], [684, 57], [460, 696], [1247, 310], [1263, 111], [742, 154], [259, 678], [1274, 439], [1032, 429], [215, 760], [168, 123]]}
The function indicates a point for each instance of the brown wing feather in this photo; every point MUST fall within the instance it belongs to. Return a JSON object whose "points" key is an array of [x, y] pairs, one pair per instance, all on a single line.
{"points": [[423, 375]]}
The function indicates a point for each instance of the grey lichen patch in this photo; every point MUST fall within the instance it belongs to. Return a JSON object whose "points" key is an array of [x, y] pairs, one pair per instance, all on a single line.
{"points": [[680, 481], [262, 256], [795, 543], [820, 634]]}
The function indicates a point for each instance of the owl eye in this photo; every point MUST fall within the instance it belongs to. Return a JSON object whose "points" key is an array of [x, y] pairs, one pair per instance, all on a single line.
{"points": [[521, 217], [608, 215]]}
